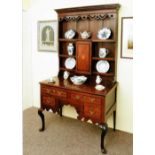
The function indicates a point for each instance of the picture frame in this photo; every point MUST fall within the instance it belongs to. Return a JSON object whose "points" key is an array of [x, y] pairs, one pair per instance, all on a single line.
{"points": [[47, 35], [127, 37]]}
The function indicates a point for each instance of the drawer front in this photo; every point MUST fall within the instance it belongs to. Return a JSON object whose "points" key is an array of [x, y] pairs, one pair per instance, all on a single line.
{"points": [[53, 91], [48, 101], [93, 107], [92, 99], [76, 97]]}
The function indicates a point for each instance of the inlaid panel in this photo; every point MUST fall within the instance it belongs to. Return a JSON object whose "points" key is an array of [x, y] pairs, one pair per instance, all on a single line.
{"points": [[83, 55]]}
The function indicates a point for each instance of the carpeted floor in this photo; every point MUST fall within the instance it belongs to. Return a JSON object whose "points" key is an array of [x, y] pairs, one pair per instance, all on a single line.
{"points": [[66, 136]]}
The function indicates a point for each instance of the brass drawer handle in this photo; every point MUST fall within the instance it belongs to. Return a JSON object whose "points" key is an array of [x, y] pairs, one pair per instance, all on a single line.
{"points": [[92, 100], [53, 91], [77, 97], [91, 112]]}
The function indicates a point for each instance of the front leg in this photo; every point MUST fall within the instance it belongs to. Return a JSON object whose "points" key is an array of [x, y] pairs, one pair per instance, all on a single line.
{"points": [[40, 113], [104, 132]]}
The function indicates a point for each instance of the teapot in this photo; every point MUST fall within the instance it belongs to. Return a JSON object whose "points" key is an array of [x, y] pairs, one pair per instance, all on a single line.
{"points": [[98, 79], [85, 34]]}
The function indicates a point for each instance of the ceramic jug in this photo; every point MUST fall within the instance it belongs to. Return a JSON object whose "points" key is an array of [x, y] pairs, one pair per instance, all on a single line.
{"points": [[103, 52], [66, 75], [98, 79]]}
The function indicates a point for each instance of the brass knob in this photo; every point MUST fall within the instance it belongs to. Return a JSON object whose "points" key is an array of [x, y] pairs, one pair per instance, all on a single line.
{"points": [[91, 112], [77, 97]]}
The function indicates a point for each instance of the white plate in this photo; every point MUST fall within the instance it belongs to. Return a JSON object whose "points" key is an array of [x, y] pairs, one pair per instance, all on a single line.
{"points": [[70, 34], [99, 87], [104, 33], [70, 63], [102, 66]]}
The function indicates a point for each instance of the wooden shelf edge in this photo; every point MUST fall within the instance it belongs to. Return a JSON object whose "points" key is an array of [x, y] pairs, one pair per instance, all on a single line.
{"points": [[104, 41], [67, 56], [97, 58], [104, 74], [65, 69], [92, 40]]}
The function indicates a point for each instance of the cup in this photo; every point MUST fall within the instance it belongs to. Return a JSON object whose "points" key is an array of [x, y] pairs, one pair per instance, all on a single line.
{"points": [[103, 52]]}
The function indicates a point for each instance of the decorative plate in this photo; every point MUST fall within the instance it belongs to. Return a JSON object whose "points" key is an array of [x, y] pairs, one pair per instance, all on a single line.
{"points": [[104, 33], [70, 34], [70, 63], [102, 66]]}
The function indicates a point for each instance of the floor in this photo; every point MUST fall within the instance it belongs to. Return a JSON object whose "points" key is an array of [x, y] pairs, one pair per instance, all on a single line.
{"points": [[67, 136]]}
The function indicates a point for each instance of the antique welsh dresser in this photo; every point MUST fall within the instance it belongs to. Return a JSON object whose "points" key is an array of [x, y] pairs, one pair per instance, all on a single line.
{"points": [[90, 104]]}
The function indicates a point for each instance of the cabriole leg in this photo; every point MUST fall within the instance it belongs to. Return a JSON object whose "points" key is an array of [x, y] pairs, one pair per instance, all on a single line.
{"points": [[104, 128], [40, 113]]}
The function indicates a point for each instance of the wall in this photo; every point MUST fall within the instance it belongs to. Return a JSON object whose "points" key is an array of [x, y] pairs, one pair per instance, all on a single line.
{"points": [[45, 64], [27, 62]]}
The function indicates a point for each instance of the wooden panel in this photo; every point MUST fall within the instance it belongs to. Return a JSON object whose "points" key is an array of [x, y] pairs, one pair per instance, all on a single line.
{"points": [[83, 55]]}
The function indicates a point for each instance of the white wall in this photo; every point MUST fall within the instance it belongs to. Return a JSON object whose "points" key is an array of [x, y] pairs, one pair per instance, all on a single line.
{"points": [[45, 64], [27, 62]]}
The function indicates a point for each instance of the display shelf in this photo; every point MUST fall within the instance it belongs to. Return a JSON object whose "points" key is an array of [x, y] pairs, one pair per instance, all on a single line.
{"points": [[103, 74], [66, 56], [108, 59]]}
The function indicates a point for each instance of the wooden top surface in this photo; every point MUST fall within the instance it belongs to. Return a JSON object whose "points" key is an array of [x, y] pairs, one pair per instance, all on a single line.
{"points": [[88, 8], [85, 88]]}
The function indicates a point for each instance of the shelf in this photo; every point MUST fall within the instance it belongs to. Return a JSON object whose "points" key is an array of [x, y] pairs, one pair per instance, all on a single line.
{"points": [[92, 40], [97, 58], [104, 74], [67, 40], [104, 41], [66, 56], [65, 69]]}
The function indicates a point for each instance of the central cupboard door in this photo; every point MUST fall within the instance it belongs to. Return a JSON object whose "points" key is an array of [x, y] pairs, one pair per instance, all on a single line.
{"points": [[83, 57]]}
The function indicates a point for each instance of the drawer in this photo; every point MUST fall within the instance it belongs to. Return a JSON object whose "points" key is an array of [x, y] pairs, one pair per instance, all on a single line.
{"points": [[48, 101], [53, 91], [91, 99], [93, 108], [76, 97]]}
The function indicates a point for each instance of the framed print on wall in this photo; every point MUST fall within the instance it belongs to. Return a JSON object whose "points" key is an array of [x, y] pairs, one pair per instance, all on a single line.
{"points": [[127, 37], [47, 35]]}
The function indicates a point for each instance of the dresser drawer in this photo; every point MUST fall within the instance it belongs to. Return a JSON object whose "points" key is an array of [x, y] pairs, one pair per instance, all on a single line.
{"points": [[92, 107], [53, 91], [76, 97], [48, 101], [91, 99]]}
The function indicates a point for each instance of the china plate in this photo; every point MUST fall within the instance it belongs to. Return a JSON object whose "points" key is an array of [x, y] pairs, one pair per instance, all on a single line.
{"points": [[102, 66], [70, 63], [104, 33], [70, 34]]}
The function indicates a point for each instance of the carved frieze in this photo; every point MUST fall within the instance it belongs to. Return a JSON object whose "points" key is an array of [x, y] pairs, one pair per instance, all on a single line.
{"points": [[86, 17]]}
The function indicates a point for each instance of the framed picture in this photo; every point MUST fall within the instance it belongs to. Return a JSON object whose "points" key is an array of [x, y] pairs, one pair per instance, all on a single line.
{"points": [[127, 37], [47, 35]]}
